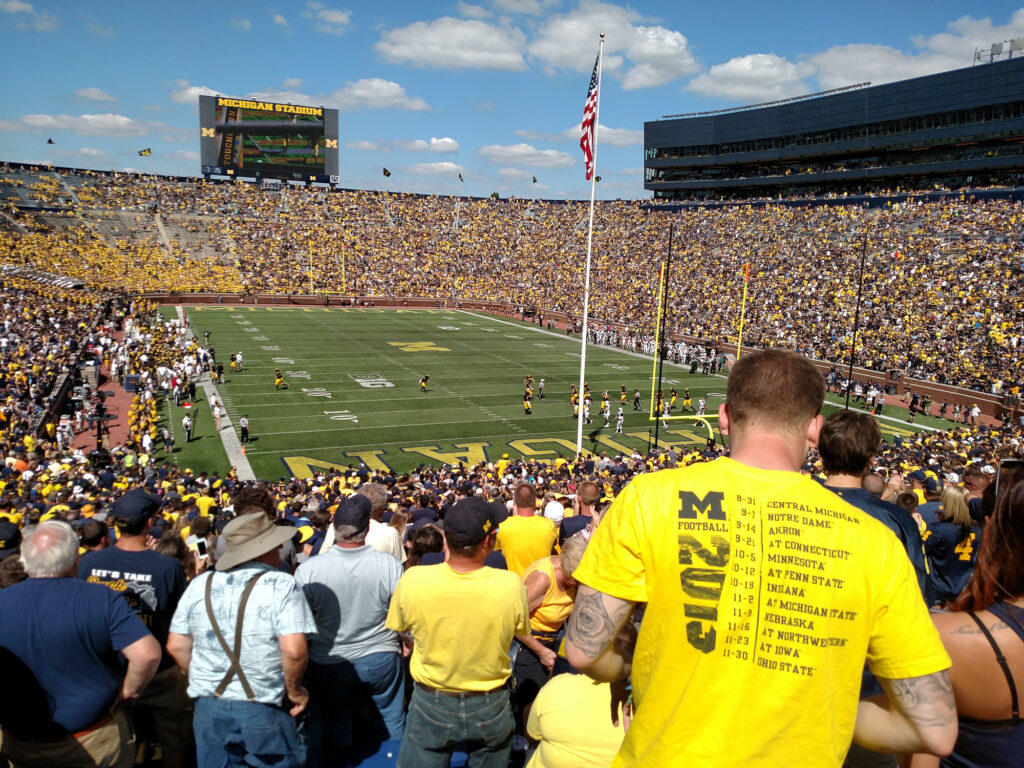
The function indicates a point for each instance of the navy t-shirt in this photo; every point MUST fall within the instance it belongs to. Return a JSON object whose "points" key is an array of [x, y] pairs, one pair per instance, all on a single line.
{"points": [[896, 520], [952, 557], [67, 634], [151, 583]]}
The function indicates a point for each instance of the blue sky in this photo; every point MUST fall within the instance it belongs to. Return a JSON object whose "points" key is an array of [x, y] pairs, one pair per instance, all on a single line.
{"points": [[492, 89]]}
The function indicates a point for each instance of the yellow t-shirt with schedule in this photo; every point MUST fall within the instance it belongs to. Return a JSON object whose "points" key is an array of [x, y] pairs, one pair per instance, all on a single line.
{"points": [[765, 594]]}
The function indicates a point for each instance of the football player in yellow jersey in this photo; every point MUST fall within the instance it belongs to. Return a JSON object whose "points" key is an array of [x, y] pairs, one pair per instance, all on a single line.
{"points": [[672, 398], [756, 578], [687, 403], [279, 382], [423, 382], [623, 395], [527, 402]]}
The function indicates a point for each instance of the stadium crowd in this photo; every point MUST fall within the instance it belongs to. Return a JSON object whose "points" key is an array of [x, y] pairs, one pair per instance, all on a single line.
{"points": [[101, 498], [945, 303], [941, 296]]}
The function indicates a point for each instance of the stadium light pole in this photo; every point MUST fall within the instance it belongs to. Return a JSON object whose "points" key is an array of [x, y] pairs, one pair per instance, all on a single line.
{"points": [[856, 314]]}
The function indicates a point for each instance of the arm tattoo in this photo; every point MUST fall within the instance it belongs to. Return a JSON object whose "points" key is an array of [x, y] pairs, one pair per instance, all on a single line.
{"points": [[591, 627], [926, 701]]}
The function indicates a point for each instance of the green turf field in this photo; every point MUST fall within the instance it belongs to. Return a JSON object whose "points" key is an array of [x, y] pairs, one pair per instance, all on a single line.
{"points": [[354, 390]]}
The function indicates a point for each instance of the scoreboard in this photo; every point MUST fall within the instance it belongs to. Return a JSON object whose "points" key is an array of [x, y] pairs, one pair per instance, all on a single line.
{"points": [[249, 138]]}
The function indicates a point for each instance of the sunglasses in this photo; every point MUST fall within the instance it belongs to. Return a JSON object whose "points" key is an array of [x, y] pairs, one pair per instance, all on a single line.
{"points": [[1009, 464]]}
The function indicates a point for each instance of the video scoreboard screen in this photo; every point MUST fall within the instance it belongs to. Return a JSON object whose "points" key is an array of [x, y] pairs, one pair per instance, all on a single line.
{"points": [[266, 140]]}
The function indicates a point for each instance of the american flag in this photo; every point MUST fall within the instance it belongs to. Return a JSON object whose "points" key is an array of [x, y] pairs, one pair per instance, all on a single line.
{"points": [[590, 122]]}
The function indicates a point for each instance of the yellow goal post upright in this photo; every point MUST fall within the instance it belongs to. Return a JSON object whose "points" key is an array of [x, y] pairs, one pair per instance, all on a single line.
{"points": [[660, 336]]}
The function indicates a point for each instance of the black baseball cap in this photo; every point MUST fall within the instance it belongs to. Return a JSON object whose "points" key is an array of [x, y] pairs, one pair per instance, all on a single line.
{"points": [[353, 510], [469, 521]]}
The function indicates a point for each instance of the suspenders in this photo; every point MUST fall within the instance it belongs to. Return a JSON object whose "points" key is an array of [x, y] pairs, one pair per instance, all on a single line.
{"points": [[234, 656]]}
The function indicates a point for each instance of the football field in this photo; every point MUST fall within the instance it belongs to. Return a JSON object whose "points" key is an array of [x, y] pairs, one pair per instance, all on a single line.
{"points": [[354, 393]]}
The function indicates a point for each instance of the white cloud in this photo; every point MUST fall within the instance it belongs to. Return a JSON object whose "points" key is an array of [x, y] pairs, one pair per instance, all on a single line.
{"points": [[765, 76], [186, 155], [281, 96], [11, 125], [473, 11], [291, 82], [659, 56], [758, 77], [443, 168], [41, 21], [531, 135], [859, 63], [514, 173], [99, 31], [443, 146], [94, 94], [641, 56], [616, 137], [280, 21], [438, 146], [363, 146], [328, 21], [524, 154], [449, 43], [375, 93], [88, 125], [529, 7], [91, 152], [484, 106], [243, 24], [185, 93]]}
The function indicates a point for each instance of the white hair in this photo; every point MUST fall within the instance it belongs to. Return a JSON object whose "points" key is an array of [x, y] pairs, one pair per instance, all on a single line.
{"points": [[50, 550]]}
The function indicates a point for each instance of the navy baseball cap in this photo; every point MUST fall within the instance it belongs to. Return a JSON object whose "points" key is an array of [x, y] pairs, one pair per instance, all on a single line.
{"points": [[353, 510], [135, 506], [469, 521]]}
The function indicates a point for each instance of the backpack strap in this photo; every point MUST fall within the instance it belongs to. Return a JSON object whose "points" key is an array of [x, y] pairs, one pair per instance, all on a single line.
{"points": [[234, 656]]}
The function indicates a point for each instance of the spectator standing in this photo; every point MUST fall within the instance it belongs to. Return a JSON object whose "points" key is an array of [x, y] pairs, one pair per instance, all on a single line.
{"points": [[353, 654], [187, 424], [243, 426], [729, 557], [984, 634], [525, 537], [152, 585], [462, 616], [248, 692], [59, 638]]}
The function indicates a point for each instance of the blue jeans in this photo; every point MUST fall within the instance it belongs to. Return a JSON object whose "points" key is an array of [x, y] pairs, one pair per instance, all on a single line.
{"points": [[246, 733], [355, 705], [482, 725]]}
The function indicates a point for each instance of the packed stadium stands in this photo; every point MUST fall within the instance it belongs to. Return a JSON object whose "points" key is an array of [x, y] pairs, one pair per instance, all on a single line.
{"points": [[941, 297]]}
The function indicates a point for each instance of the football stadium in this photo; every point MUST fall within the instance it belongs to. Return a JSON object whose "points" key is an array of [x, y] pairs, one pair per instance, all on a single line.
{"points": [[797, 359]]}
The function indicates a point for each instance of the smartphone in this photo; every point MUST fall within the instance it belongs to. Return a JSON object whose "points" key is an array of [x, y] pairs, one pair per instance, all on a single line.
{"points": [[197, 545]]}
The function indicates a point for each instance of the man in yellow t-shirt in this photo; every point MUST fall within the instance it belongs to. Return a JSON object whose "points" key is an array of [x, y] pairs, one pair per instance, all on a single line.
{"points": [[525, 537], [765, 594], [462, 617]]}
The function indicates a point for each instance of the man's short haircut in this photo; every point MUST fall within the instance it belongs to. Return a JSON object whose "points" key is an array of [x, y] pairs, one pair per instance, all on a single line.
{"points": [[774, 389], [526, 496], [350, 534], [93, 532], [848, 441], [49, 550], [589, 493], [377, 494], [253, 498]]}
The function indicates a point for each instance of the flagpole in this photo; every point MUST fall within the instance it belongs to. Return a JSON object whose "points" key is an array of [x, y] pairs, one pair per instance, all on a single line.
{"points": [[590, 243], [743, 308]]}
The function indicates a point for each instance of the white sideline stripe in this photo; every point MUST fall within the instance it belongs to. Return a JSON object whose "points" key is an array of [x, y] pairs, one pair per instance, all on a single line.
{"points": [[232, 446]]}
